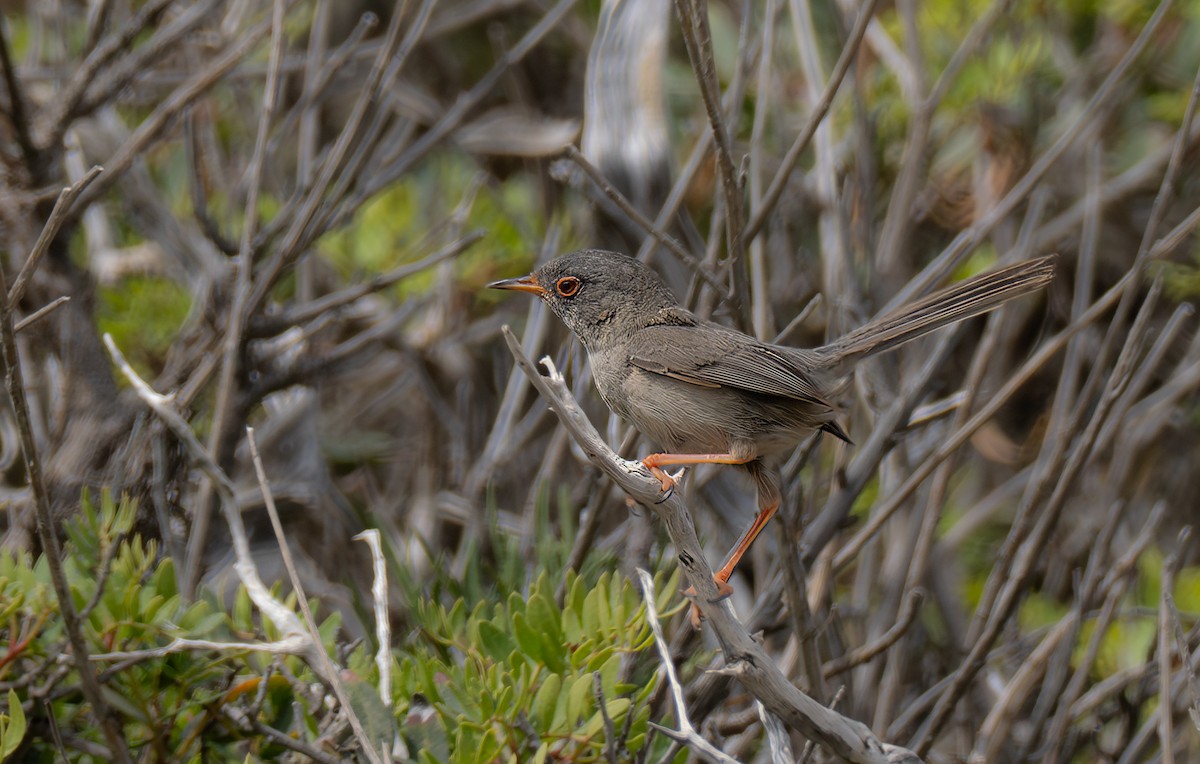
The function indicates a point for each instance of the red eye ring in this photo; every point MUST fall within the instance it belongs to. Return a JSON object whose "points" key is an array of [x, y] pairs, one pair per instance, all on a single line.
{"points": [[567, 286]]}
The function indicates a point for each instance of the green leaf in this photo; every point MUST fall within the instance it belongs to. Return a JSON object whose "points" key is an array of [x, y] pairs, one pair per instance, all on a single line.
{"points": [[572, 626], [544, 618], [666, 591], [242, 612], [376, 718], [12, 727], [576, 595], [545, 702], [616, 710], [12, 605], [608, 675], [528, 638], [495, 643], [590, 612], [579, 699], [489, 747]]}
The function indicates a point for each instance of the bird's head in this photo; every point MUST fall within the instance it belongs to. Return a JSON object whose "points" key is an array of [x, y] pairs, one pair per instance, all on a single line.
{"points": [[597, 294]]}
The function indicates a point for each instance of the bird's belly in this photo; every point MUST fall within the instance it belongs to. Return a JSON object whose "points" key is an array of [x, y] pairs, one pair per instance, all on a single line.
{"points": [[682, 417]]}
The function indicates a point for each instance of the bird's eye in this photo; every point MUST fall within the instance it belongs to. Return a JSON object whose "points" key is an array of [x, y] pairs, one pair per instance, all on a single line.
{"points": [[567, 286]]}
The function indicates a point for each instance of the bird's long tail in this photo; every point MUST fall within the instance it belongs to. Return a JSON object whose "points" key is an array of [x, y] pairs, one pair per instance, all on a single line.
{"points": [[960, 301]]}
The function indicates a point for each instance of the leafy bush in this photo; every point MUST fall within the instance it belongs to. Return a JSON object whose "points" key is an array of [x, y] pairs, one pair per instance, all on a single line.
{"points": [[489, 680], [515, 680]]}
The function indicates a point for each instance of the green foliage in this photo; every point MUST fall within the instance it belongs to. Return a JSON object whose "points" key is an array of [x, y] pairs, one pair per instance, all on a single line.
{"points": [[500, 679], [143, 314], [12, 726], [129, 600], [515, 680], [497, 668], [1181, 279], [388, 230]]}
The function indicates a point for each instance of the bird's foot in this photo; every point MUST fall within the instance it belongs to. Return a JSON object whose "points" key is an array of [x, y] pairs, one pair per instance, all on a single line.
{"points": [[723, 590], [668, 482]]}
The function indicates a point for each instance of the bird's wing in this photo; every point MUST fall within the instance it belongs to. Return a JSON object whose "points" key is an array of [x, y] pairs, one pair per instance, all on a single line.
{"points": [[711, 355]]}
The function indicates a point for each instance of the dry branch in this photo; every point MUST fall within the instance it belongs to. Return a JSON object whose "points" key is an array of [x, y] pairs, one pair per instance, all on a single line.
{"points": [[298, 638], [46, 523]]}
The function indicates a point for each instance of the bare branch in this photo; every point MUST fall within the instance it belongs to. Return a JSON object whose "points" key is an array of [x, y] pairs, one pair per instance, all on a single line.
{"points": [[58, 216], [46, 523], [314, 648]]}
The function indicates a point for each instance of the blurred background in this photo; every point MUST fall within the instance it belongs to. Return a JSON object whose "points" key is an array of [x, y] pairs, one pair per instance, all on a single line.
{"points": [[316, 268]]}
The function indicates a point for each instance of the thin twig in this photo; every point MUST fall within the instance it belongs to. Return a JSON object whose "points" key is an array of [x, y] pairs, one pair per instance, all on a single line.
{"points": [[16, 100], [58, 216], [1048, 350], [169, 110], [898, 220], [232, 346], [270, 325], [1117, 580], [860, 655], [301, 219], [41, 313], [366, 141], [296, 644], [697, 37], [463, 105], [1098, 104], [291, 743], [775, 190], [316, 648], [47, 531], [1058, 482], [1166, 700], [383, 625], [610, 729], [686, 734], [163, 406], [64, 108]]}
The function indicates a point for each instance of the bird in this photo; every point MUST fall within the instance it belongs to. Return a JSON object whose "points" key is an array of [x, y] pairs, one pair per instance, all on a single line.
{"points": [[705, 393]]}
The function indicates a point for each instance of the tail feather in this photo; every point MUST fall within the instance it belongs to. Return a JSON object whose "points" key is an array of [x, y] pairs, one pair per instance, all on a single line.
{"points": [[957, 302]]}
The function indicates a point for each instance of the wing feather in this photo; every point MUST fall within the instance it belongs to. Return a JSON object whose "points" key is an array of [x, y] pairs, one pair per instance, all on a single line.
{"points": [[711, 355]]}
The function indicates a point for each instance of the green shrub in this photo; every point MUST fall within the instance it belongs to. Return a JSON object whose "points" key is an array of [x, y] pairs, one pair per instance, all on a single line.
{"points": [[495, 680]]}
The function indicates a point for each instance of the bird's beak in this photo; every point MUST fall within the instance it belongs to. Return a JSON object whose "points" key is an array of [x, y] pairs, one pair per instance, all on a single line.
{"points": [[523, 284]]}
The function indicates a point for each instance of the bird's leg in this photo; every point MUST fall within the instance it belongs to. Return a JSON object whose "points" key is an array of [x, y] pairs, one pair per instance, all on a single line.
{"points": [[769, 498], [656, 462], [721, 578], [743, 545]]}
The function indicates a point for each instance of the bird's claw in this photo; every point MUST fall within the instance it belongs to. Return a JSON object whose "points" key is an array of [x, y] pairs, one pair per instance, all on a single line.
{"points": [[666, 481], [667, 492], [724, 590]]}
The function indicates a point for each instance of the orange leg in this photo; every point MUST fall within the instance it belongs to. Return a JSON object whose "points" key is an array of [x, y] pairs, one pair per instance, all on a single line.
{"points": [[769, 494], [735, 555], [656, 462], [743, 545]]}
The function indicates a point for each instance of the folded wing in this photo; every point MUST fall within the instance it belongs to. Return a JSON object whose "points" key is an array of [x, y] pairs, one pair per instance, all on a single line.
{"points": [[724, 359]]}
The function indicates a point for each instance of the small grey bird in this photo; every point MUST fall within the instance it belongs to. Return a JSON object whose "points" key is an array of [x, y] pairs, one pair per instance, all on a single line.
{"points": [[708, 394]]}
